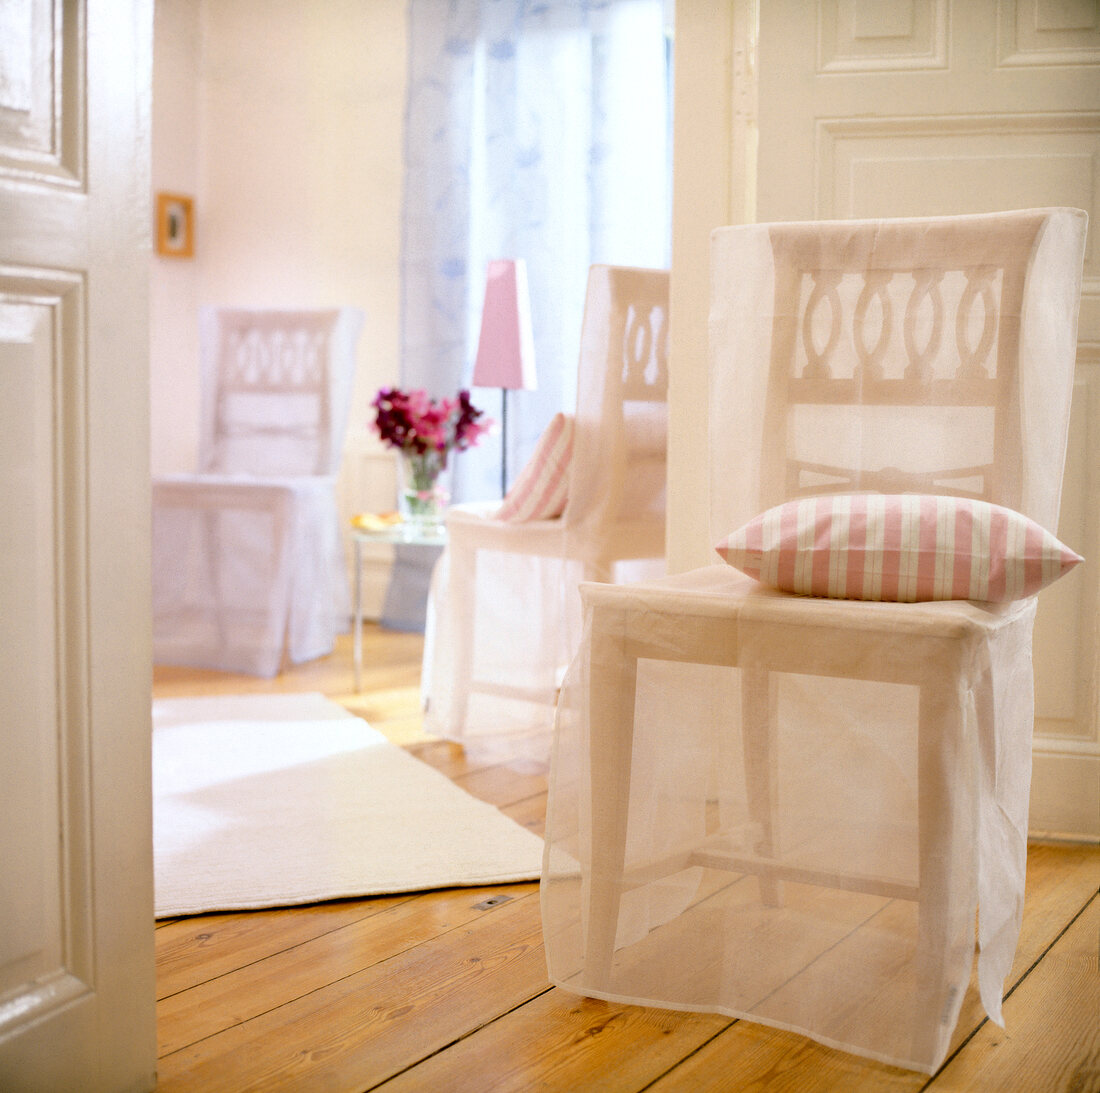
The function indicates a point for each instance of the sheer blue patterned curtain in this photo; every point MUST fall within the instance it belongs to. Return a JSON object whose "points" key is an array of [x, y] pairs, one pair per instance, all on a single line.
{"points": [[535, 129]]}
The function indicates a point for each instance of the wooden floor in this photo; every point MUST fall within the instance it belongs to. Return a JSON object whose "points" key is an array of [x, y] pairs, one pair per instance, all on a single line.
{"points": [[447, 991]]}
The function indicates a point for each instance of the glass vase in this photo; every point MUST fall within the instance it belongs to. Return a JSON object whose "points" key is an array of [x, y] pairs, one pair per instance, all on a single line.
{"points": [[422, 493]]}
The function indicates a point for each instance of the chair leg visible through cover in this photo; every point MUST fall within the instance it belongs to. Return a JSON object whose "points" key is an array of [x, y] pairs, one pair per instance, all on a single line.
{"points": [[612, 693], [758, 700]]}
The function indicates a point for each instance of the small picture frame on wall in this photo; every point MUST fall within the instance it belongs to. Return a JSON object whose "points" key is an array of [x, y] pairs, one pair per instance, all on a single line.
{"points": [[175, 226]]}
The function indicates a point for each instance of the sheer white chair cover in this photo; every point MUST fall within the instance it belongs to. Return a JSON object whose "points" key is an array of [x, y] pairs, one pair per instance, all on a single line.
{"points": [[504, 610], [789, 809], [248, 559]]}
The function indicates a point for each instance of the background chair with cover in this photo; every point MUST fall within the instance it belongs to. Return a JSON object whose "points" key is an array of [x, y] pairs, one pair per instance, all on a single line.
{"points": [[248, 562], [504, 610], [788, 808]]}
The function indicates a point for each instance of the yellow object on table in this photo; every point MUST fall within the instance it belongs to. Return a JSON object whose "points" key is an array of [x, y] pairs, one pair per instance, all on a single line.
{"points": [[375, 521]]}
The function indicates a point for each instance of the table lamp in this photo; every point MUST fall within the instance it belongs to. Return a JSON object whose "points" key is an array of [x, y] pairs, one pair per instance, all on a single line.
{"points": [[505, 350]]}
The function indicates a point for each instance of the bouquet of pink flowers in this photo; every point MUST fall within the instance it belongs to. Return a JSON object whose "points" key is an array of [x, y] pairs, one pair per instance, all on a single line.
{"points": [[415, 423], [425, 432]]}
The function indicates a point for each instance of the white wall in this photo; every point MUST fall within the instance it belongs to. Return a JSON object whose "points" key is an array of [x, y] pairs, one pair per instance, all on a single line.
{"points": [[174, 282], [285, 121], [713, 185]]}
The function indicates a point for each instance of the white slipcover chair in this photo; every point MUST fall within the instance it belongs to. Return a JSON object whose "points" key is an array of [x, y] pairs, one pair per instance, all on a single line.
{"points": [[248, 560], [789, 809], [504, 610]]}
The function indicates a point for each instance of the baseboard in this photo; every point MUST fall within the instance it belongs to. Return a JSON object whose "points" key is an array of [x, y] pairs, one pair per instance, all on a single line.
{"points": [[1065, 796]]}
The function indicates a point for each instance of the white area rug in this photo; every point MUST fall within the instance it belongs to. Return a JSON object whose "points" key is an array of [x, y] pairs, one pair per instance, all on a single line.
{"points": [[273, 800]]}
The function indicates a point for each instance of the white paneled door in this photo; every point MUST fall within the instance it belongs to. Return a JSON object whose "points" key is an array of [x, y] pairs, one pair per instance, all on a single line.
{"points": [[76, 910], [924, 107]]}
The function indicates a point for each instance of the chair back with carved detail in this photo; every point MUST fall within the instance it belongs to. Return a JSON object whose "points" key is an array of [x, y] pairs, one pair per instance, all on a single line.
{"points": [[617, 480], [894, 361], [275, 392]]}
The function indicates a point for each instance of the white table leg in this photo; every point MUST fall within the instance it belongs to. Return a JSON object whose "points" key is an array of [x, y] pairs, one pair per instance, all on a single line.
{"points": [[357, 631]]}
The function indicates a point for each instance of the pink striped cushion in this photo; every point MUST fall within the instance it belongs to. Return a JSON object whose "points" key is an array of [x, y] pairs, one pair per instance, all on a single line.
{"points": [[541, 489], [902, 548]]}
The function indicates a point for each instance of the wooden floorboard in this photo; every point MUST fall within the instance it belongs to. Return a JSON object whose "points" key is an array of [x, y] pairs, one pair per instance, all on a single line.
{"points": [[448, 990], [369, 1023], [561, 1041], [291, 968], [1051, 1038], [1064, 876]]}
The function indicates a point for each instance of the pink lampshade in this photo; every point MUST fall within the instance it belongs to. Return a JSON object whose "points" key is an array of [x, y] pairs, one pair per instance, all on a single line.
{"points": [[505, 350]]}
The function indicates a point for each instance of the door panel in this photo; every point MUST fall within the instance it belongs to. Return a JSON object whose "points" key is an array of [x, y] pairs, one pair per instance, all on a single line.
{"points": [[76, 943], [45, 940], [921, 107], [883, 167]]}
